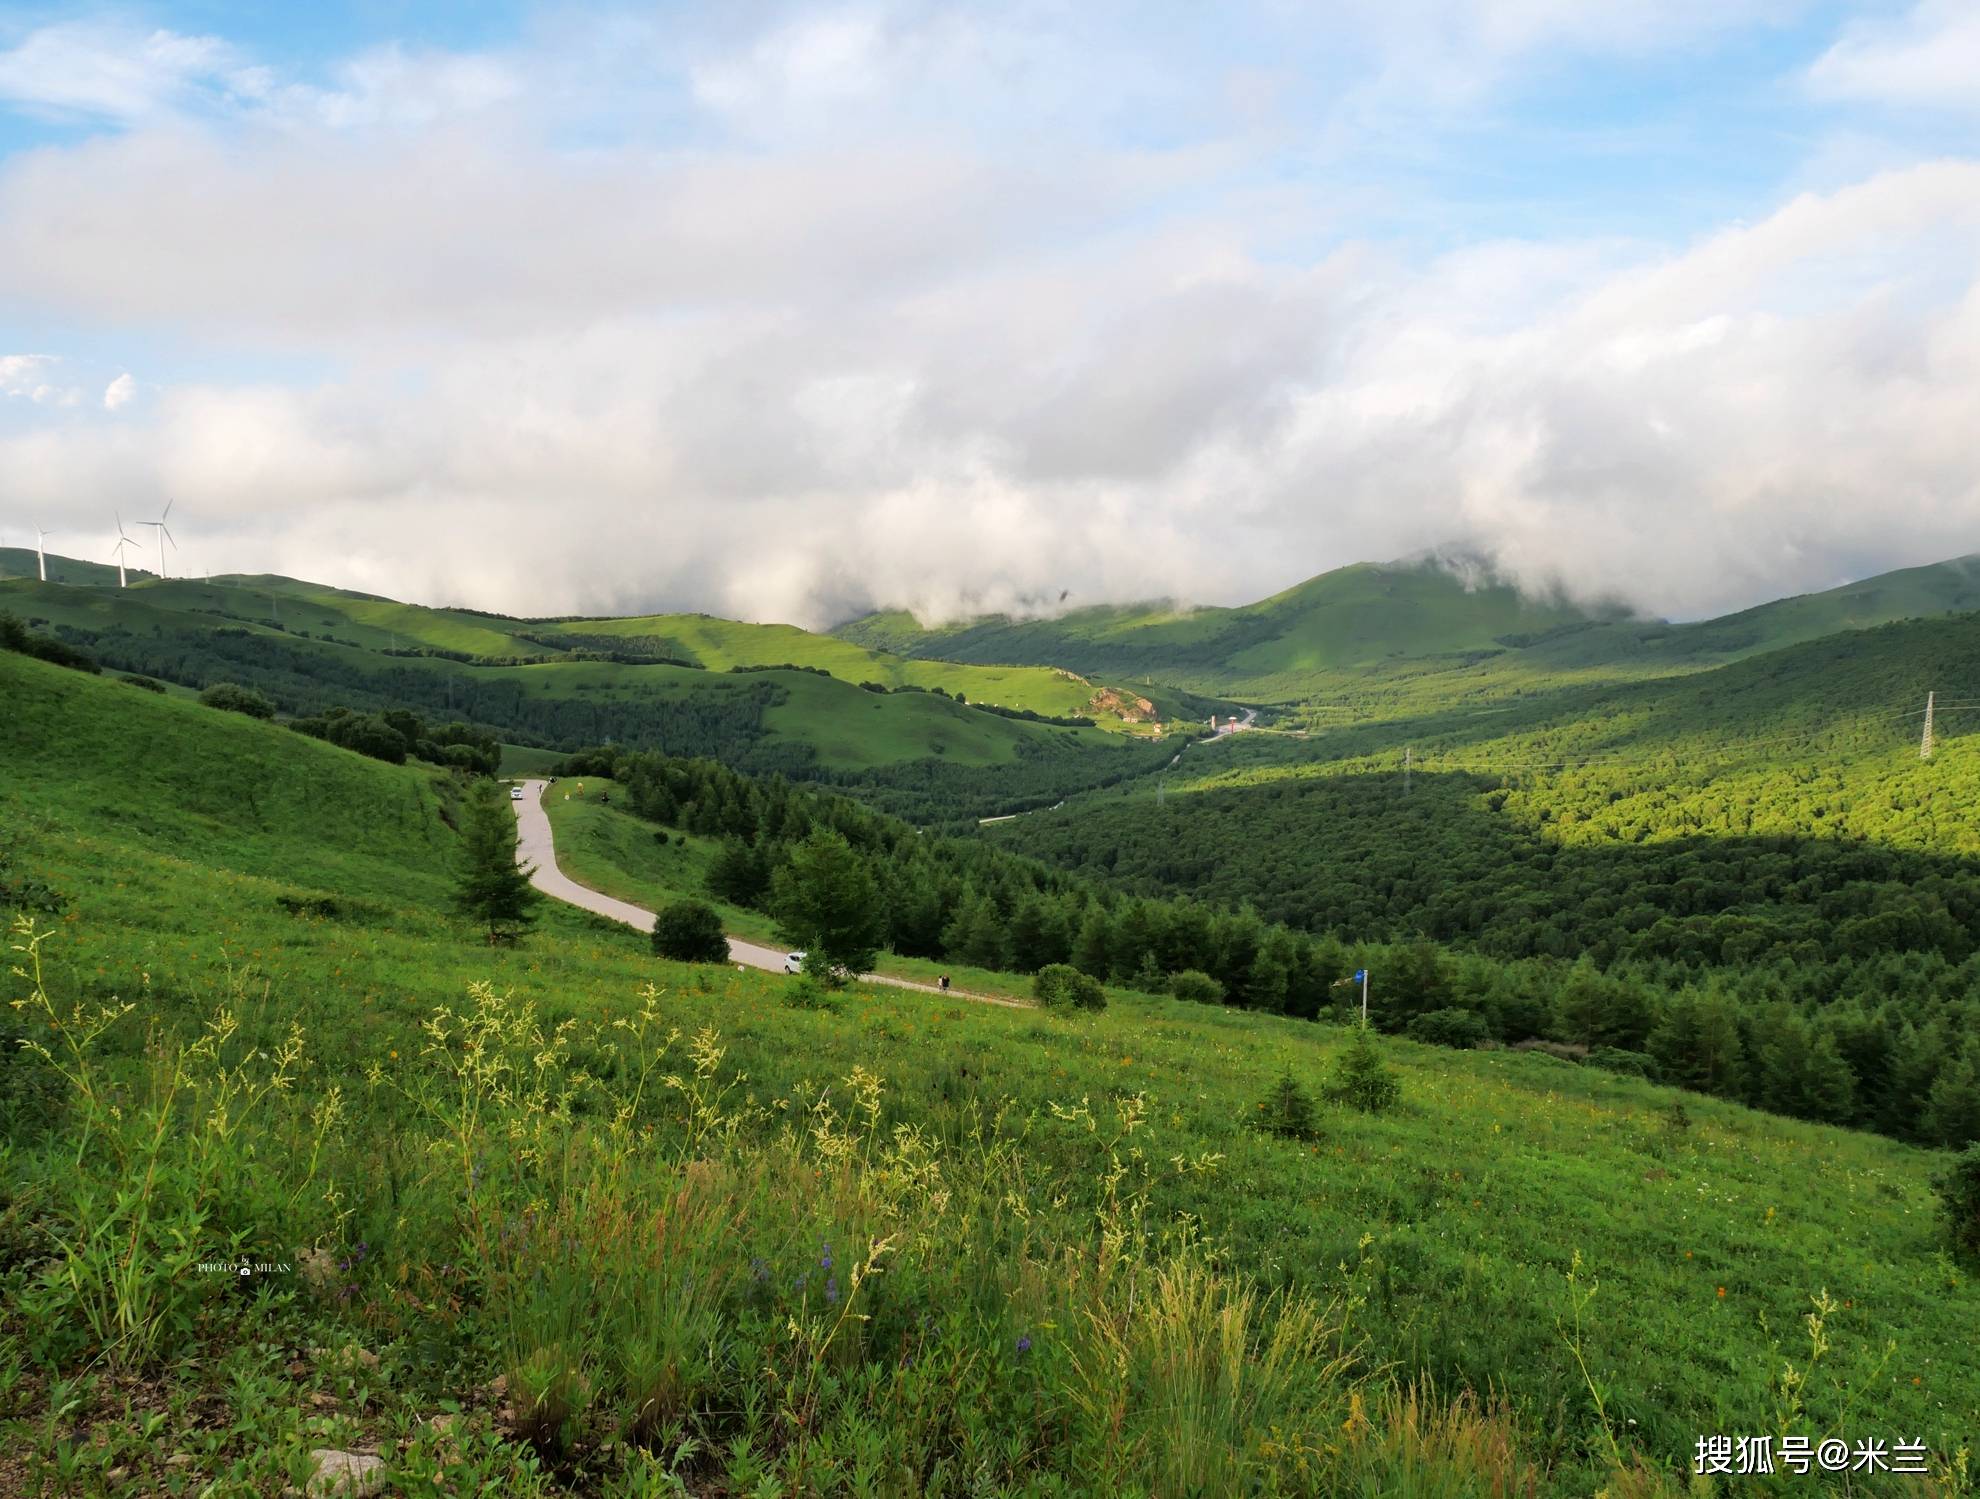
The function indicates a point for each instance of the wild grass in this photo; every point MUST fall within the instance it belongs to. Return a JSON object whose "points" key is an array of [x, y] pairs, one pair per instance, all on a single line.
{"points": [[568, 1218]]}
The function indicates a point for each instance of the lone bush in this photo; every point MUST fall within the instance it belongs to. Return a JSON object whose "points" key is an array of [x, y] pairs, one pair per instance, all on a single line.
{"points": [[1460, 1028], [1288, 1111], [805, 993], [1620, 1059], [231, 697], [1060, 986], [298, 904], [1361, 1080], [1959, 1201], [149, 684], [1193, 984], [690, 931]]}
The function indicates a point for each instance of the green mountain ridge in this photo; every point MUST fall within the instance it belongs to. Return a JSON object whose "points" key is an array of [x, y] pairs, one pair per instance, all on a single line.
{"points": [[929, 739], [1415, 629]]}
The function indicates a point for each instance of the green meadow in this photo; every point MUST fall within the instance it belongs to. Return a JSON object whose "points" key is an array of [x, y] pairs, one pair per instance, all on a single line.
{"points": [[565, 1218]]}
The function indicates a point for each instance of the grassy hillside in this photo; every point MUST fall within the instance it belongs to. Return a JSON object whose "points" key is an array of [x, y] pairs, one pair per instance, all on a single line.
{"points": [[270, 605], [720, 644], [968, 1271], [98, 762], [20, 562], [312, 649]]}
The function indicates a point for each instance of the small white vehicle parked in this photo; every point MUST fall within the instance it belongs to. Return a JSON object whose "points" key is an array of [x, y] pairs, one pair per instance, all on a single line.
{"points": [[794, 962], [515, 793]]}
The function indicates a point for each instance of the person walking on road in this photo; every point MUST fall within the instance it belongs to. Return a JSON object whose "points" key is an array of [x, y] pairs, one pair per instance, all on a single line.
{"points": [[945, 983]]}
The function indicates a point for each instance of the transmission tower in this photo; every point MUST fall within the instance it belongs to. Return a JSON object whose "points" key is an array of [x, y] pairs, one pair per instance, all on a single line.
{"points": [[1925, 744]]}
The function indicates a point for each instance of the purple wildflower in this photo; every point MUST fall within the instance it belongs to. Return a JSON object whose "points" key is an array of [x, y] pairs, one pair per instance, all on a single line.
{"points": [[1024, 1345], [832, 1289]]}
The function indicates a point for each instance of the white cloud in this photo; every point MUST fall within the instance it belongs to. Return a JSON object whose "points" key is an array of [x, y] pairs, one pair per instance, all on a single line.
{"points": [[883, 352], [111, 70], [30, 377], [1928, 57], [388, 86], [1781, 406], [22, 374]]}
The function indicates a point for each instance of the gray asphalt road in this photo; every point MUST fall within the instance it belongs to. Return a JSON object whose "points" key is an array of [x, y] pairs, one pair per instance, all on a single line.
{"points": [[536, 848]]}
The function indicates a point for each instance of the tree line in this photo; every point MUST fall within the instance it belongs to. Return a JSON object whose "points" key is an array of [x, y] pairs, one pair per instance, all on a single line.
{"points": [[1891, 1048]]}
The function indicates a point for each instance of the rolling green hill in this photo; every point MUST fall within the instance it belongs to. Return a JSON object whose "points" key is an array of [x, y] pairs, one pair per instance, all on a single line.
{"points": [[1367, 637], [1352, 618], [735, 692], [1011, 1251], [20, 562], [97, 761], [721, 644], [271, 604]]}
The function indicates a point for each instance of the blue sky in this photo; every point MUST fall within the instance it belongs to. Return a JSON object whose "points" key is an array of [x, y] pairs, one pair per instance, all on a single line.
{"points": [[791, 309]]}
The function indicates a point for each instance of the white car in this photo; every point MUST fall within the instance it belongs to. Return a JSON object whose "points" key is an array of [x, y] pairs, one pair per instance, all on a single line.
{"points": [[515, 793], [794, 962]]}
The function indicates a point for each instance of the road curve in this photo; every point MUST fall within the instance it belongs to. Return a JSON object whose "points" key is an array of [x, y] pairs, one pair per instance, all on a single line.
{"points": [[536, 849]]}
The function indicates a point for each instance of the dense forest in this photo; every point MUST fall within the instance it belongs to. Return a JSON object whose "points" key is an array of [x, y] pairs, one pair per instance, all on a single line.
{"points": [[1884, 1039], [1528, 871]]}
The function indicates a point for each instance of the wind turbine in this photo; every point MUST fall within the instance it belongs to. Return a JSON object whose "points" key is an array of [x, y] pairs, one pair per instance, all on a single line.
{"points": [[163, 537], [40, 552], [117, 551]]}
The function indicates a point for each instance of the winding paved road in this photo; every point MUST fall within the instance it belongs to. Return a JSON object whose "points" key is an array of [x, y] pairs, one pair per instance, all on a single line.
{"points": [[536, 848]]}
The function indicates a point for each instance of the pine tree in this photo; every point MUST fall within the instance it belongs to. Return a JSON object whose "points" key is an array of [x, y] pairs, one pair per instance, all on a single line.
{"points": [[1360, 1079], [1804, 1076], [1952, 1110], [915, 910], [739, 874], [975, 936], [1037, 935], [1132, 945], [1288, 1110], [1092, 949], [492, 889], [1697, 1044], [827, 902]]}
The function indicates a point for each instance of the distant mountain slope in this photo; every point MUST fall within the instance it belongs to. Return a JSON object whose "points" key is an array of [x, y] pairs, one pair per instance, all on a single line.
{"points": [[1352, 618], [723, 644], [1775, 809], [1415, 631], [1941, 588], [915, 749], [299, 610], [19, 562]]}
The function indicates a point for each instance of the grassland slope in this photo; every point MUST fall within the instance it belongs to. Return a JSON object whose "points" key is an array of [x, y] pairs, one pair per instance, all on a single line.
{"points": [[1010, 1160]]}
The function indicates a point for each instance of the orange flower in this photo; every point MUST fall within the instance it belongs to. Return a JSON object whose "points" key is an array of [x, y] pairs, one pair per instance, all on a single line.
{"points": [[1722, 1293]]}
